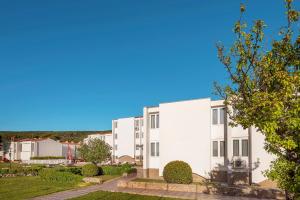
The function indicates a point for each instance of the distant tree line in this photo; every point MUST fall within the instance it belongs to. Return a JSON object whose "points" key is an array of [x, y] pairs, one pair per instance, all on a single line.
{"points": [[71, 136]]}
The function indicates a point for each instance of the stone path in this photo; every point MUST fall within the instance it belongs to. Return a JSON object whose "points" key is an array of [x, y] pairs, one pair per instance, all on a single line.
{"points": [[111, 186]]}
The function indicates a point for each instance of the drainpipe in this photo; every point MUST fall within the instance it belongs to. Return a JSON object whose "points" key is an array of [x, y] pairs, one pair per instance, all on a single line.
{"points": [[250, 154]]}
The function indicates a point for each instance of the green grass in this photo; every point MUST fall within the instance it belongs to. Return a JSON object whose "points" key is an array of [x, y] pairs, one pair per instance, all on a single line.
{"points": [[108, 177], [14, 188], [101, 195]]}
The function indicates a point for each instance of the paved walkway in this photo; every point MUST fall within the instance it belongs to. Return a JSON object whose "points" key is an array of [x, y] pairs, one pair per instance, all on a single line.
{"points": [[112, 187]]}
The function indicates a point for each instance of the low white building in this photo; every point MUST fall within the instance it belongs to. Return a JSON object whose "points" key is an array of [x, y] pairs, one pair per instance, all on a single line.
{"points": [[127, 139], [197, 132], [27, 148]]}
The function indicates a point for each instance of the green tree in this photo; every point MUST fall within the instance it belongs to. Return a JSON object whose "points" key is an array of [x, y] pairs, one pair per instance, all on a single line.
{"points": [[264, 92], [95, 151]]}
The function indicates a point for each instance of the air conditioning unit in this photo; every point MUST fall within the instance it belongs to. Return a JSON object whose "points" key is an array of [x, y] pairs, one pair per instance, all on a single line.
{"points": [[239, 164]]}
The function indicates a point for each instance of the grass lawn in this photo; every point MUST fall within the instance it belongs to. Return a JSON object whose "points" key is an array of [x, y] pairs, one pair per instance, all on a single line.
{"points": [[101, 195], [25, 187]]}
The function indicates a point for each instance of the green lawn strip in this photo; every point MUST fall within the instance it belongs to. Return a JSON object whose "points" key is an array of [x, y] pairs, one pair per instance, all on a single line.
{"points": [[26, 187], [107, 177], [119, 196]]}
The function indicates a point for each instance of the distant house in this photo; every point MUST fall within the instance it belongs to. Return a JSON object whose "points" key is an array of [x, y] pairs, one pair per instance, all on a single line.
{"points": [[25, 149], [70, 150], [106, 137]]}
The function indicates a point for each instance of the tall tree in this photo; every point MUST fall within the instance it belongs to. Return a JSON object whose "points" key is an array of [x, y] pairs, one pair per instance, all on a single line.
{"points": [[96, 151], [264, 92]]}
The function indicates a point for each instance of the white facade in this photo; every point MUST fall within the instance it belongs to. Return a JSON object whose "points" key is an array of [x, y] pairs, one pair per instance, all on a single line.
{"points": [[193, 131], [25, 149], [106, 137], [127, 138]]}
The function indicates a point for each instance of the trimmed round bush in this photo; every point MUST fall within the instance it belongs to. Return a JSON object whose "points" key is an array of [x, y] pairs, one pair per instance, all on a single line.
{"points": [[90, 170], [178, 172]]}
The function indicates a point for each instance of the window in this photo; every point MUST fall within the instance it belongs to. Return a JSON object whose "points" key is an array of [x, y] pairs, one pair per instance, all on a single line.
{"points": [[215, 116], [142, 122], [116, 124], [136, 122], [215, 148], [116, 136], [152, 119], [136, 147], [103, 137], [236, 147], [32, 146], [222, 148], [116, 147], [142, 134], [222, 115], [244, 147], [152, 149], [137, 135]]}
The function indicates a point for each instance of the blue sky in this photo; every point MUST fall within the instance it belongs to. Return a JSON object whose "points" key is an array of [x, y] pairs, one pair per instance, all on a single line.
{"points": [[75, 65]]}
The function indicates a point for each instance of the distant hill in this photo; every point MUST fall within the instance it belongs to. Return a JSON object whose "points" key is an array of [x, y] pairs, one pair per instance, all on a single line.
{"points": [[75, 136]]}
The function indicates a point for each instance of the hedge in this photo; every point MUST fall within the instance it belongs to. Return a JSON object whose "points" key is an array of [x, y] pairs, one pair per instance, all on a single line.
{"points": [[90, 170], [47, 157], [117, 169], [53, 175], [178, 172]]}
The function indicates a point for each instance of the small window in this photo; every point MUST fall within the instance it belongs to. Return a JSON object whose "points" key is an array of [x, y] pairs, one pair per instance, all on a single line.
{"points": [[215, 148], [142, 134], [157, 148], [142, 122], [137, 135], [215, 116], [137, 147], [152, 121], [245, 147], [152, 149], [222, 148], [236, 147], [157, 121], [116, 124], [116, 147], [222, 117], [136, 122], [32, 146], [116, 136]]}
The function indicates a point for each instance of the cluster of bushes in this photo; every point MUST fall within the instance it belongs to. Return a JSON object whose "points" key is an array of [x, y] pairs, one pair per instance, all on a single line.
{"points": [[178, 172], [22, 170], [46, 157], [55, 175], [117, 169]]}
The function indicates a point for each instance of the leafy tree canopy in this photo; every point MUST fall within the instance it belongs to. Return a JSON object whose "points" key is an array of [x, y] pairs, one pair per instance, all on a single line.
{"points": [[264, 91]]}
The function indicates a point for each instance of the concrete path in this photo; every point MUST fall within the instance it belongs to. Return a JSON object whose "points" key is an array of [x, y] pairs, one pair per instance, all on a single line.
{"points": [[111, 186]]}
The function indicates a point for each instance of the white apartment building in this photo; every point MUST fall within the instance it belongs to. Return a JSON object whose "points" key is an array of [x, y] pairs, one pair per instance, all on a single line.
{"points": [[197, 132], [128, 140]]}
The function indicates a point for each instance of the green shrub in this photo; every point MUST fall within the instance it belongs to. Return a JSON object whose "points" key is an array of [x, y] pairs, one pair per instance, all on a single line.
{"points": [[46, 157], [73, 170], [178, 172], [53, 175], [117, 169], [90, 170]]}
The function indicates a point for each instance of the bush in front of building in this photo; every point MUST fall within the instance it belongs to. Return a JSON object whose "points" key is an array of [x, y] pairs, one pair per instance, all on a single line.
{"points": [[90, 170], [46, 157], [117, 169], [53, 175], [178, 172]]}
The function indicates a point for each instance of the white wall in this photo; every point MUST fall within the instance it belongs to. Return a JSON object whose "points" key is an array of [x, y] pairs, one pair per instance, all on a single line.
{"points": [[125, 137], [185, 134], [261, 159], [49, 147]]}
